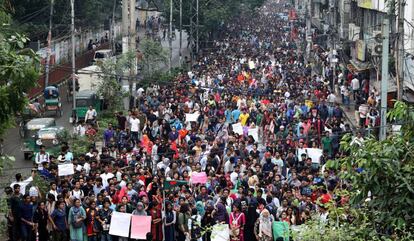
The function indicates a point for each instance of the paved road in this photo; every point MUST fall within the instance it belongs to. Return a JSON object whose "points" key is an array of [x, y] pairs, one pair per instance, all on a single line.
{"points": [[13, 142]]}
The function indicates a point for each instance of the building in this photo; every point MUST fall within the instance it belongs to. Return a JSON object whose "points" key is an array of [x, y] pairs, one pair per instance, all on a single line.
{"points": [[354, 28]]}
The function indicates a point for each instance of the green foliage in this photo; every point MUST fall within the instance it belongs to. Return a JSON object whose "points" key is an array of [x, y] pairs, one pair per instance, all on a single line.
{"points": [[212, 13], [110, 88], [18, 73], [160, 77], [154, 56], [382, 194], [32, 16]]}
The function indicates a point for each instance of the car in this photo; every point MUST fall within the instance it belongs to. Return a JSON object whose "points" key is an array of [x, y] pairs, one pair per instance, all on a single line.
{"points": [[102, 55], [29, 134]]}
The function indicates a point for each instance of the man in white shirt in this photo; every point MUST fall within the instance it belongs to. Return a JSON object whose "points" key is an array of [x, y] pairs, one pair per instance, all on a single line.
{"points": [[42, 156], [105, 176], [90, 115], [355, 86], [134, 124]]}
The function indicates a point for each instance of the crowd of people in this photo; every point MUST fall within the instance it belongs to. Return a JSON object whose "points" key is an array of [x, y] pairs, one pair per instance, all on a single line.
{"points": [[255, 77]]}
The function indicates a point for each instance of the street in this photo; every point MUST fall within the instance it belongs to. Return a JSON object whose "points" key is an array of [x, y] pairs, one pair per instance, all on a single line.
{"points": [[13, 142]]}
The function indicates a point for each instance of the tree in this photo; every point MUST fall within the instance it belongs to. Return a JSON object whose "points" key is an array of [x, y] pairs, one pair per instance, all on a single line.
{"points": [[154, 57], [381, 188], [19, 70], [110, 87], [32, 16]]}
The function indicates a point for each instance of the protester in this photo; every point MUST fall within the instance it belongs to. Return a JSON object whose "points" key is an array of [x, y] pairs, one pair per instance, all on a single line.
{"points": [[241, 139]]}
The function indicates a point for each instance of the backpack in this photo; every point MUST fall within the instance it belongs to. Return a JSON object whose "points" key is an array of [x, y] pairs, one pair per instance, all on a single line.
{"points": [[195, 228]]}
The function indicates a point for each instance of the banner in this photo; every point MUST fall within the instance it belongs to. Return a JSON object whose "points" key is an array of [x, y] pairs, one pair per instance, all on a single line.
{"points": [[198, 177], [314, 153], [120, 223], [65, 169], [254, 132], [191, 117], [140, 226], [280, 230], [220, 232], [238, 128]]}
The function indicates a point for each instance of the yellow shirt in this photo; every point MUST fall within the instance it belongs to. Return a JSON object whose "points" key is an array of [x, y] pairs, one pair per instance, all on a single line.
{"points": [[243, 118]]}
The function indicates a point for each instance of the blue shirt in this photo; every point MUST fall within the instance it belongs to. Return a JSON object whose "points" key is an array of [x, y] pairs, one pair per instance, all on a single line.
{"points": [[59, 218], [235, 115], [227, 113], [27, 211]]}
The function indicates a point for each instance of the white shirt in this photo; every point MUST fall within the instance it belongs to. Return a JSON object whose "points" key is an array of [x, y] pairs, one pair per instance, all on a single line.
{"points": [[134, 123], [105, 177], [355, 84], [90, 114]]}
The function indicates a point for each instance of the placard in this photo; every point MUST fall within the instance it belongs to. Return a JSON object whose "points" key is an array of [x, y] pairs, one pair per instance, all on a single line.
{"points": [[191, 117], [314, 153], [220, 232], [254, 132], [140, 226], [198, 177], [65, 169], [237, 128], [120, 223]]}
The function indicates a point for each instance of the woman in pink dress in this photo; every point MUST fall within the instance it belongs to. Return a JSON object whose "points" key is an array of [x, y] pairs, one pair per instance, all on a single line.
{"points": [[237, 221]]}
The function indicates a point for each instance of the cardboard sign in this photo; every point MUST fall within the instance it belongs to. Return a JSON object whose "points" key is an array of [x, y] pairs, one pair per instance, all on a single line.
{"points": [[120, 223], [237, 128], [65, 169], [220, 232], [198, 177], [140, 226], [191, 117]]}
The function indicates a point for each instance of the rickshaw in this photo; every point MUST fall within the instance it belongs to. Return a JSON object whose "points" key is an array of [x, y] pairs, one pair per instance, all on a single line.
{"points": [[84, 99], [30, 132], [52, 100], [28, 113]]}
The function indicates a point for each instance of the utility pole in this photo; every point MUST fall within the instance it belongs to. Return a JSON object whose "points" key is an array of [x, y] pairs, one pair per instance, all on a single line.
{"points": [[112, 31], [181, 31], [132, 48], [384, 78], [197, 32], [308, 28], [49, 43], [125, 5], [333, 53], [72, 4], [399, 51], [170, 35]]}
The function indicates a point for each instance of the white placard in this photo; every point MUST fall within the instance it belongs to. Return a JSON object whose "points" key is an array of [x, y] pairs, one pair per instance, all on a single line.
{"points": [[254, 132], [238, 128], [220, 232], [120, 223], [314, 153], [192, 117], [65, 169]]}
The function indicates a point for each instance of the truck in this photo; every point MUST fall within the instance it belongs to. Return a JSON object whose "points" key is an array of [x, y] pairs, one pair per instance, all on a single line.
{"points": [[89, 79]]}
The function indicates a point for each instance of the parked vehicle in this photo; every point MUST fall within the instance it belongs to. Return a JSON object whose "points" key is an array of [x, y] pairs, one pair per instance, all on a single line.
{"points": [[52, 100], [30, 133], [84, 99]]}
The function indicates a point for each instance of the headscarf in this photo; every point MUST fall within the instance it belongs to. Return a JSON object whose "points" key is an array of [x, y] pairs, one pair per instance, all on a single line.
{"points": [[265, 224], [200, 208], [221, 214], [139, 212]]}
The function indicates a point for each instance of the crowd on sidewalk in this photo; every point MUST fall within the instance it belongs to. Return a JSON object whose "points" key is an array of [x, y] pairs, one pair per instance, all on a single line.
{"points": [[249, 115]]}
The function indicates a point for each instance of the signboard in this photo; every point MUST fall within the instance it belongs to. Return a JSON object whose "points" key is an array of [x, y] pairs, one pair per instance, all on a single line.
{"points": [[368, 4], [141, 225], [120, 223], [360, 48]]}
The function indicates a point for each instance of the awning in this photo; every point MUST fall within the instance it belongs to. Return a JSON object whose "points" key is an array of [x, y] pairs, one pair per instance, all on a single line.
{"points": [[356, 66]]}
